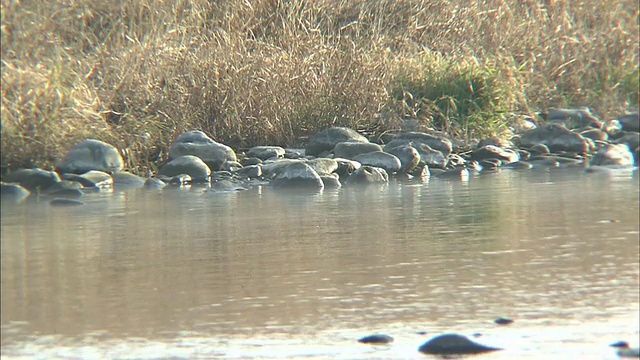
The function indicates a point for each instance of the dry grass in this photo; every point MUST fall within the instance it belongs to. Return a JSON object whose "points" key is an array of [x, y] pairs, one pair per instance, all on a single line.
{"points": [[136, 73]]}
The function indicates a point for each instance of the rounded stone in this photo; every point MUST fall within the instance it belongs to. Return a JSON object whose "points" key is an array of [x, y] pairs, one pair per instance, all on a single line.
{"points": [[90, 155], [190, 165], [453, 344], [376, 339]]}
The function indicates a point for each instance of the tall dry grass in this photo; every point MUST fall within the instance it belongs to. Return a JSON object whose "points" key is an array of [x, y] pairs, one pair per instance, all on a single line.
{"points": [[136, 73]]}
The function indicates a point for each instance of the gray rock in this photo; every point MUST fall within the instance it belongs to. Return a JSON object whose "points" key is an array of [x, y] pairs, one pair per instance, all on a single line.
{"points": [[454, 174], [351, 149], [154, 183], [440, 143], [198, 144], [376, 339], [496, 141], [14, 193], [331, 181], [493, 152], [323, 165], [33, 179], [595, 134], [249, 172], [188, 164], [297, 175], [632, 139], [271, 168], [127, 180], [95, 179], [630, 122], [573, 118], [250, 161], [453, 344], [368, 175], [90, 155], [266, 152], [613, 128], [409, 157], [380, 159], [327, 139], [557, 138], [616, 155]]}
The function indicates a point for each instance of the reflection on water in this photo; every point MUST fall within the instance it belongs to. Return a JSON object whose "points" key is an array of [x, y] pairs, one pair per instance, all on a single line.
{"points": [[273, 274]]}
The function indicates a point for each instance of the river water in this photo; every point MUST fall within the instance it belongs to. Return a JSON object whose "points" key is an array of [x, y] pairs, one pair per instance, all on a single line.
{"points": [[195, 274]]}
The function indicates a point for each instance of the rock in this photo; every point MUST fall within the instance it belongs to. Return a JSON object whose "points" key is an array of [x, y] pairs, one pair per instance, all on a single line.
{"points": [[632, 139], [346, 167], [198, 144], [331, 181], [503, 321], [294, 153], [249, 172], [297, 175], [230, 166], [376, 339], [323, 165], [523, 125], [381, 160], [91, 179], [33, 179], [127, 180], [66, 194], [453, 344], [573, 118], [266, 152], [65, 185], [327, 139], [613, 128], [351, 149], [557, 138], [154, 183], [493, 152], [273, 167], [227, 185], [439, 143], [65, 202], [496, 141], [595, 134], [190, 165], [540, 149], [409, 157], [250, 161], [14, 193], [368, 175], [457, 174], [630, 122], [616, 155], [629, 352], [90, 155]]}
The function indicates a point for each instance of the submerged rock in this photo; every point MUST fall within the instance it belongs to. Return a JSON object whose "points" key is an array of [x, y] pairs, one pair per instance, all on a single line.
{"points": [[65, 202], [453, 344], [14, 193], [90, 155], [33, 179], [376, 339], [368, 175]]}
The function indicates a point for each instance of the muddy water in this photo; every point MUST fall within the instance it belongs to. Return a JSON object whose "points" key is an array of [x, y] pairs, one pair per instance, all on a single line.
{"points": [[191, 274]]}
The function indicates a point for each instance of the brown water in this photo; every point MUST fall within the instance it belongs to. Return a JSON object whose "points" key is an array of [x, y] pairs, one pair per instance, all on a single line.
{"points": [[190, 274]]}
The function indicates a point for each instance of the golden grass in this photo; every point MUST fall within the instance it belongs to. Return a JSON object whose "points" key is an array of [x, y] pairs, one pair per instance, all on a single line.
{"points": [[136, 73]]}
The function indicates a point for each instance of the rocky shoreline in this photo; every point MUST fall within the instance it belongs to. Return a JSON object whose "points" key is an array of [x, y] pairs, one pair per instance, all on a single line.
{"points": [[338, 157]]}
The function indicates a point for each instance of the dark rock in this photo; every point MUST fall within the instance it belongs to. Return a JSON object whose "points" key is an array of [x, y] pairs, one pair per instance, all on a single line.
{"points": [[632, 139], [453, 344], [198, 144], [249, 172], [493, 152], [616, 155], [297, 175], [409, 157], [519, 165], [127, 180], [368, 175], [191, 165], [266, 152], [351, 149], [14, 193], [456, 174], [503, 321], [327, 139], [66, 194], [380, 159], [154, 183], [630, 122], [496, 141], [91, 179], [250, 161], [557, 138], [573, 118], [33, 179], [376, 339], [90, 155], [331, 181], [65, 202], [595, 134]]}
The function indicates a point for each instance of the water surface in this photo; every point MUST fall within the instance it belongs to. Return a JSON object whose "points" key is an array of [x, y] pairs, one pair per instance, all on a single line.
{"points": [[193, 274]]}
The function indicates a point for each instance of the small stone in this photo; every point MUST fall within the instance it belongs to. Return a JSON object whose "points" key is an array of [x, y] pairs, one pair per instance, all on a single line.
{"points": [[376, 339], [503, 321], [453, 344]]}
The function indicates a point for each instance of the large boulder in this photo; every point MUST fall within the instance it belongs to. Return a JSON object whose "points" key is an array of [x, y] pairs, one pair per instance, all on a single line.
{"points": [[453, 344], [616, 155], [33, 179], [327, 139], [188, 165], [297, 175], [555, 137], [198, 144], [409, 157], [380, 159], [351, 149], [90, 155]]}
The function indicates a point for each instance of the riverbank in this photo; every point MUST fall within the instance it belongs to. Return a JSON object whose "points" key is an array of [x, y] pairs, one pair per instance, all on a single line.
{"points": [[136, 74]]}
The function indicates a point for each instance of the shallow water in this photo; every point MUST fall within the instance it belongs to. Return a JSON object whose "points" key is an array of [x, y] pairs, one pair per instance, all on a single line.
{"points": [[193, 274]]}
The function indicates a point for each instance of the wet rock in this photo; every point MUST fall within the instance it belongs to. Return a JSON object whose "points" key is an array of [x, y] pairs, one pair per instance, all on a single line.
{"points": [[573, 118], [496, 141], [439, 143], [376, 339], [250, 161], [297, 175], [453, 344], [65, 194], [454, 174], [154, 183], [227, 185], [272, 167], [616, 155], [266, 152], [323, 165], [191, 165], [381, 160], [327, 139], [613, 128], [351, 149], [33, 179], [630, 122], [65, 202], [230, 166], [14, 193], [409, 157], [198, 144], [632, 139], [65, 185], [249, 172], [490, 164], [519, 165], [493, 152], [557, 138], [294, 153], [331, 181], [368, 175], [127, 180], [595, 134], [92, 179], [503, 321], [90, 155], [346, 167]]}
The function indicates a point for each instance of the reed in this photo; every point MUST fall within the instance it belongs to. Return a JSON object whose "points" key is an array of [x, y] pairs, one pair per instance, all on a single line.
{"points": [[136, 73]]}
